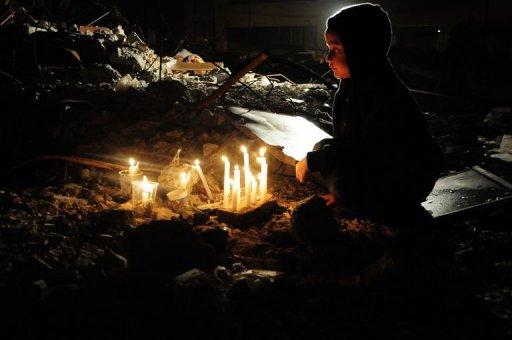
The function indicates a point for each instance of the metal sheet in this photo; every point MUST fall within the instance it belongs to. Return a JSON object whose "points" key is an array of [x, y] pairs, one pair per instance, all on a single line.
{"points": [[295, 135], [468, 191]]}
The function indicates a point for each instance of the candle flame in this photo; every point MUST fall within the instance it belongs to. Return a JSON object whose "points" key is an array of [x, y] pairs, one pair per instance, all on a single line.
{"points": [[243, 148], [132, 162], [262, 151], [196, 162], [145, 185], [224, 158]]}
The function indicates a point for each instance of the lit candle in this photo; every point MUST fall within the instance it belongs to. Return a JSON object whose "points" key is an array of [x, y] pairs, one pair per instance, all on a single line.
{"points": [[236, 188], [232, 198], [254, 190], [147, 191], [247, 197], [134, 167], [246, 156], [203, 179], [225, 200], [143, 196], [247, 176], [264, 172]]}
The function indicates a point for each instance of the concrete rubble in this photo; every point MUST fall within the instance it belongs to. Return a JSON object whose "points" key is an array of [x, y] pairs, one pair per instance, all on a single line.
{"points": [[68, 234]]}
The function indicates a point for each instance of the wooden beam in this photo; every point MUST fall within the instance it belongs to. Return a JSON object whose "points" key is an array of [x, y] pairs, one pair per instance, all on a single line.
{"points": [[229, 82]]}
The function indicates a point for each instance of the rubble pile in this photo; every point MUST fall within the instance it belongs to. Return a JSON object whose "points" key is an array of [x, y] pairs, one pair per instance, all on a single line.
{"points": [[75, 257]]}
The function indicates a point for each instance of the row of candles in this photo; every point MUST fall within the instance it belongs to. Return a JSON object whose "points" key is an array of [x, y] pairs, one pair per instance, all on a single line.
{"points": [[234, 198], [255, 187]]}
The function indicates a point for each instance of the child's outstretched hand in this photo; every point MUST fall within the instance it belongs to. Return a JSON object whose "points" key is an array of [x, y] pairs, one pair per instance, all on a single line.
{"points": [[301, 170], [330, 200]]}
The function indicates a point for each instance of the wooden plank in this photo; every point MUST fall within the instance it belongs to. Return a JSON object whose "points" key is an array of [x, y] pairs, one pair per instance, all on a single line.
{"points": [[185, 66]]}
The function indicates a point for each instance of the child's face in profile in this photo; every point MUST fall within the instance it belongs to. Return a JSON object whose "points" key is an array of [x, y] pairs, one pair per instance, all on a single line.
{"points": [[336, 56]]}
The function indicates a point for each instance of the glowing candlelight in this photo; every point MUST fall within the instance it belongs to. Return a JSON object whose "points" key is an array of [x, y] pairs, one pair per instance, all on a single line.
{"points": [[147, 189], [129, 175], [203, 179], [243, 148], [236, 188], [225, 200], [144, 194], [247, 176], [254, 189], [232, 198], [134, 166], [264, 173]]}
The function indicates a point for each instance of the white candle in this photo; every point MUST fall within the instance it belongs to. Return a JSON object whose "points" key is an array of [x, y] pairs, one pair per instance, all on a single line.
{"points": [[143, 195], [203, 179], [225, 201], [246, 156], [236, 188], [134, 167], [247, 189], [264, 172], [147, 190], [247, 177], [254, 190]]}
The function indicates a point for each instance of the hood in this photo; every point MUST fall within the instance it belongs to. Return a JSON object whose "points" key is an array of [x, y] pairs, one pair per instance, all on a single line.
{"points": [[365, 33]]}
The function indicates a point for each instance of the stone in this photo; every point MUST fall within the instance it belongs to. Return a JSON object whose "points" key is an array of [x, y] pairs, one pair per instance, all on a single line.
{"points": [[196, 293], [214, 236], [111, 260], [351, 281], [253, 283], [238, 267], [85, 175], [39, 290], [72, 189], [126, 83], [222, 274], [187, 215], [98, 199], [128, 58], [313, 223], [163, 213], [206, 119], [103, 220], [201, 217], [377, 269], [167, 245], [100, 73], [160, 96]]}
